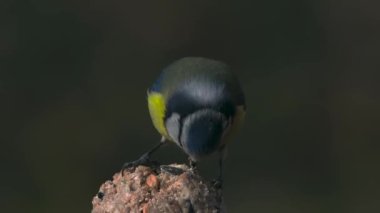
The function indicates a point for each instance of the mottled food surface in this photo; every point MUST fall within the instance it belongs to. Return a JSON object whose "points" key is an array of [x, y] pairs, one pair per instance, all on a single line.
{"points": [[172, 188]]}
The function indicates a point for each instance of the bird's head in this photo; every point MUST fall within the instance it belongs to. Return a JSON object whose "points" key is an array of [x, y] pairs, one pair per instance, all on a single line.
{"points": [[198, 116]]}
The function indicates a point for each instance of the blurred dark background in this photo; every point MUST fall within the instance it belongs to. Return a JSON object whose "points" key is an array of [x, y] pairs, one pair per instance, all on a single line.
{"points": [[73, 80]]}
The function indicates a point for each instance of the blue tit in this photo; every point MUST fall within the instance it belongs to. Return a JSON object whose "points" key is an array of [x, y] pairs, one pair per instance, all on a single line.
{"points": [[198, 104]]}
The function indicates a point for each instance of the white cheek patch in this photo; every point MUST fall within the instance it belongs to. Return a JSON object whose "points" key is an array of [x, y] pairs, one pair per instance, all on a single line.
{"points": [[173, 125]]}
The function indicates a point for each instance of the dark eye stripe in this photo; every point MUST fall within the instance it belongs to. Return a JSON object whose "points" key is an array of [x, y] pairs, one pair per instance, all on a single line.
{"points": [[184, 105], [180, 131]]}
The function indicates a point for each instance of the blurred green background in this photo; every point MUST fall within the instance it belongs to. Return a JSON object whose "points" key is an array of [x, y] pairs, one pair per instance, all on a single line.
{"points": [[73, 80]]}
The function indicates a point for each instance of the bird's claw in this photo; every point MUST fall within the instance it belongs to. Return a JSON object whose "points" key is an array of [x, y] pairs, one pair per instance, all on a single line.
{"points": [[143, 160], [217, 183], [171, 170], [193, 166]]}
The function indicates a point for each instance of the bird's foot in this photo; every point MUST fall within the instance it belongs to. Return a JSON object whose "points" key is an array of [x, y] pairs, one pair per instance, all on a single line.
{"points": [[143, 160], [217, 183], [193, 166], [171, 170]]}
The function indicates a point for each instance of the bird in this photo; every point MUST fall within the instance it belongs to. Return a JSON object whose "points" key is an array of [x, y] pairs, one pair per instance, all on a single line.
{"points": [[198, 104]]}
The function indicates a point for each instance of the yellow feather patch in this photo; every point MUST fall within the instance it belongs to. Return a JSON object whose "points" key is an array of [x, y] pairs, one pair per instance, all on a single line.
{"points": [[156, 105]]}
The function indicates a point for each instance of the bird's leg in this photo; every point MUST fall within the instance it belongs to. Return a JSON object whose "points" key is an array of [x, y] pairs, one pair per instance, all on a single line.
{"points": [[219, 181], [145, 158]]}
